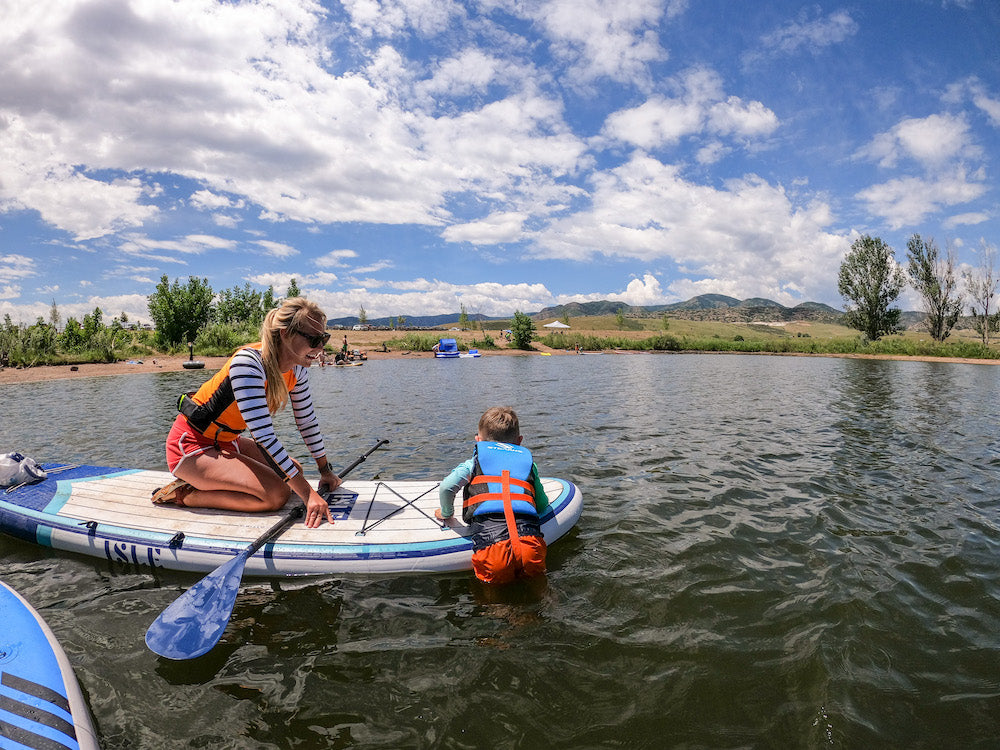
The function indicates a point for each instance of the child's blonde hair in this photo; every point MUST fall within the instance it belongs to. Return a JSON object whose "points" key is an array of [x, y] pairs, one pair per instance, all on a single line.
{"points": [[292, 315], [499, 424]]}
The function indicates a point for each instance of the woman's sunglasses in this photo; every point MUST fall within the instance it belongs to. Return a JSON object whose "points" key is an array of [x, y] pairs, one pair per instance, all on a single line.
{"points": [[315, 340]]}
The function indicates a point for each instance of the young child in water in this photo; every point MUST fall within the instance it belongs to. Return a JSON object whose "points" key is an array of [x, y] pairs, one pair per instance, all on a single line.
{"points": [[503, 500]]}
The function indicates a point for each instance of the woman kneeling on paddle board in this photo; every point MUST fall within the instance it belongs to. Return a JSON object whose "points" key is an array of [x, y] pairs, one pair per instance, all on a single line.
{"points": [[218, 467]]}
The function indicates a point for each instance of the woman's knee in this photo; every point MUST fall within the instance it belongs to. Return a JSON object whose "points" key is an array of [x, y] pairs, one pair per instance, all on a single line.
{"points": [[273, 504], [276, 495]]}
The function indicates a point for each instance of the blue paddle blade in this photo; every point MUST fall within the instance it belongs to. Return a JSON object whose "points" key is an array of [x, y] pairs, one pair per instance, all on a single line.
{"points": [[195, 621]]}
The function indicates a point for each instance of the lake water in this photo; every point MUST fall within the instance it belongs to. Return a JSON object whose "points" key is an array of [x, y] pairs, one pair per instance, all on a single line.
{"points": [[775, 552]]}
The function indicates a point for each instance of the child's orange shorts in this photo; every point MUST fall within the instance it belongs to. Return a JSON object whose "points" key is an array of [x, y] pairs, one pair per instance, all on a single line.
{"points": [[498, 563]]}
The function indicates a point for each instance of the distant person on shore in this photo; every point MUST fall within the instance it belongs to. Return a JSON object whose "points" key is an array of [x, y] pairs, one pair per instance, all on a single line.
{"points": [[503, 500], [216, 465]]}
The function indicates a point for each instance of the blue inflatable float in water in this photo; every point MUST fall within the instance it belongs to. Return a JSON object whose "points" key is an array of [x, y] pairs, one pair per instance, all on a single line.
{"points": [[446, 349]]}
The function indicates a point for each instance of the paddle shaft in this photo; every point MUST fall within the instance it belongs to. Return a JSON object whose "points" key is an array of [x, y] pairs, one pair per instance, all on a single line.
{"points": [[278, 528], [360, 459]]}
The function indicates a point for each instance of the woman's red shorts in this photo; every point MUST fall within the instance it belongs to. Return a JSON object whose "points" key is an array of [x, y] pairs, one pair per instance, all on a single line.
{"points": [[183, 441]]}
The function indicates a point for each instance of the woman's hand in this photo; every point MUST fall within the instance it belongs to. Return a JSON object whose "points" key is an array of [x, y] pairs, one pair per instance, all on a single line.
{"points": [[328, 480], [317, 510]]}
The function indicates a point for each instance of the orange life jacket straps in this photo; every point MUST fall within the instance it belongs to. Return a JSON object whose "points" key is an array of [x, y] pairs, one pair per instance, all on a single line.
{"points": [[508, 516], [506, 481]]}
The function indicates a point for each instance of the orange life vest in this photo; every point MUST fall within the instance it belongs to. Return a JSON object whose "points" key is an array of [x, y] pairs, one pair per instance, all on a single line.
{"points": [[212, 409], [501, 482]]}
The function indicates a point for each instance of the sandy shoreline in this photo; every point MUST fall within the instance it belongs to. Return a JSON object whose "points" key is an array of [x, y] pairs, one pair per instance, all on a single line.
{"points": [[176, 364]]}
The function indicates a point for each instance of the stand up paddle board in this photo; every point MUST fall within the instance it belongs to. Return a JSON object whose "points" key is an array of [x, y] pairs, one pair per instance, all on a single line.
{"points": [[379, 527], [41, 705]]}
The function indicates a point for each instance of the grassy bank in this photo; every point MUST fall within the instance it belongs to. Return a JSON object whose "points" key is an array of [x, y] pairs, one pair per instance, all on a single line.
{"points": [[596, 334], [894, 346], [27, 347]]}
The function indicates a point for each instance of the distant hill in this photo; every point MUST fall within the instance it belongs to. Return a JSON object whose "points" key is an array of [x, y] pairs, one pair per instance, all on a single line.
{"points": [[581, 310], [760, 302], [702, 307], [412, 321], [818, 307], [705, 302]]}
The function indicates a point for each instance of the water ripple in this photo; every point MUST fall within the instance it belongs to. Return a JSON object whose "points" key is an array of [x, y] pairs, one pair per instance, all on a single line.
{"points": [[775, 552]]}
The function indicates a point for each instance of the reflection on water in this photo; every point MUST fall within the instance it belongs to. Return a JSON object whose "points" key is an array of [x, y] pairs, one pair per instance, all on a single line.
{"points": [[774, 552]]}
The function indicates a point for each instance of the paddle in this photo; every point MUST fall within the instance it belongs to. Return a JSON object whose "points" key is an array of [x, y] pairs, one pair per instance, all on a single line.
{"points": [[194, 622]]}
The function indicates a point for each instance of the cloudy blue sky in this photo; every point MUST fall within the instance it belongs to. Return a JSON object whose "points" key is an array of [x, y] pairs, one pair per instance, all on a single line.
{"points": [[413, 156]]}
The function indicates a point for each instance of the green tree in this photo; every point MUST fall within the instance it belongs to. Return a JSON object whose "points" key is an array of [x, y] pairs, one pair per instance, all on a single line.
{"points": [[362, 316], [12, 343], [240, 306], [293, 290], [105, 342], [871, 280], [10, 336], [620, 318], [72, 338], [26, 345], [463, 318], [981, 284], [92, 325], [179, 312], [54, 318], [268, 302], [934, 279], [522, 330], [40, 340]]}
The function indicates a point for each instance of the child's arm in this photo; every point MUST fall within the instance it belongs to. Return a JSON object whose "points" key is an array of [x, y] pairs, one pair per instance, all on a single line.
{"points": [[450, 486], [541, 499]]}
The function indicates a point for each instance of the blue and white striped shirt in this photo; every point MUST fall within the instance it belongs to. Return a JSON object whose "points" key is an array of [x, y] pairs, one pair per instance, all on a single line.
{"points": [[246, 373]]}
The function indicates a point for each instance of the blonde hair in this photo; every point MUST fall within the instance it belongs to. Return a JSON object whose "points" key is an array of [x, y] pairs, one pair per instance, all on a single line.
{"points": [[499, 424], [289, 317]]}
